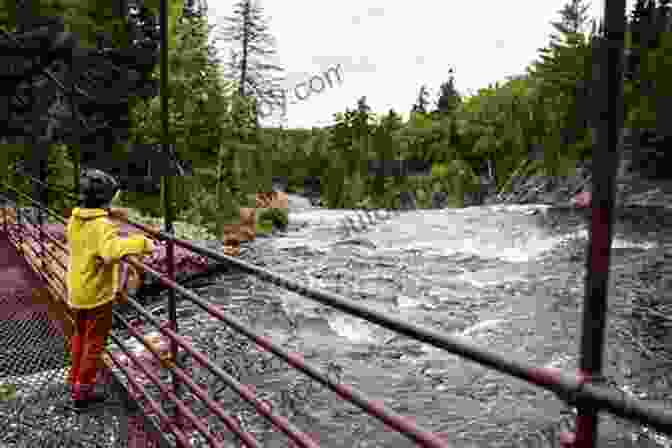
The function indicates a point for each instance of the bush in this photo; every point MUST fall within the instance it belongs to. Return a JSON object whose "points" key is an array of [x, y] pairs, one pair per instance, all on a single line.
{"points": [[183, 230], [273, 218]]}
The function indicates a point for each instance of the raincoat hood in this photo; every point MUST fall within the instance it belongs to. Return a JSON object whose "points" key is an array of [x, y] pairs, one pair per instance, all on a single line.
{"points": [[89, 213]]}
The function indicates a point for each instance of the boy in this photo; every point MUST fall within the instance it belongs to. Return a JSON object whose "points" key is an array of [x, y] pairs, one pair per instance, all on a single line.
{"points": [[93, 279]]}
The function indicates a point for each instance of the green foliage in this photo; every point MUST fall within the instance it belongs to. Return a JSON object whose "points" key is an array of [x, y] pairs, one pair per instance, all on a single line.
{"points": [[183, 230], [449, 98], [563, 81], [216, 128], [7, 392], [257, 78], [422, 102], [198, 98], [648, 96], [200, 121], [272, 218], [87, 18]]}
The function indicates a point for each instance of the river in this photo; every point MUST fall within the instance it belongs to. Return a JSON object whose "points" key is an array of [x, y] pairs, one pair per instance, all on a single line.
{"points": [[509, 278]]}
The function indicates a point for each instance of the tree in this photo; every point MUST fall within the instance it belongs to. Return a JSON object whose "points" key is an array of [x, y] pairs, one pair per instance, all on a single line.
{"points": [[199, 101], [384, 148], [449, 98], [642, 24], [86, 100], [361, 133], [422, 102], [563, 78], [249, 64], [573, 19], [194, 8]]}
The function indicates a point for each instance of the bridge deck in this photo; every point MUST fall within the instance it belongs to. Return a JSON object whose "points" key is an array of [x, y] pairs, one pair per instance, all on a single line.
{"points": [[34, 395]]}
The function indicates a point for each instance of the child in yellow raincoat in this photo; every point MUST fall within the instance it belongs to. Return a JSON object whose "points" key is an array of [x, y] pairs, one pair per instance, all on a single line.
{"points": [[93, 279]]}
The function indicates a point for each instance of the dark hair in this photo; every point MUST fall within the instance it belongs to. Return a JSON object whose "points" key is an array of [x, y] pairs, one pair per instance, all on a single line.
{"points": [[94, 203], [97, 188]]}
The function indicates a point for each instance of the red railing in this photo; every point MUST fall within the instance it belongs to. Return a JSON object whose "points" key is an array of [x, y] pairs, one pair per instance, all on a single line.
{"points": [[572, 388]]}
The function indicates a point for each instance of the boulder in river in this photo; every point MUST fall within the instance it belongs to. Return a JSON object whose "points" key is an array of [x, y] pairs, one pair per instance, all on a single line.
{"points": [[582, 200], [273, 199], [244, 230], [407, 201], [297, 202], [312, 189], [439, 199], [280, 183]]}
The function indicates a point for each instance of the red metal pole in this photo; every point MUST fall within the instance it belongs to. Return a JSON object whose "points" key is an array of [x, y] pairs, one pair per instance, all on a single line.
{"points": [[5, 217], [605, 163]]}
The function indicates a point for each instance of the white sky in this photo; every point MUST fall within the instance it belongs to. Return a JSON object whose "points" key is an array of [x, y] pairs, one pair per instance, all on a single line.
{"points": [[388, 49]]}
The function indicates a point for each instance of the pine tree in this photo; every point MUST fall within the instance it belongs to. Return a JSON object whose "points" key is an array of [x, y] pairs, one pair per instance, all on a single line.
{"points": [[639, 12], [422, 102], [361, 133], [563, 76], [195, 8], [641, 23], [449, 98], [574, 19], [249, 65], [384, 149], [664, 16]]}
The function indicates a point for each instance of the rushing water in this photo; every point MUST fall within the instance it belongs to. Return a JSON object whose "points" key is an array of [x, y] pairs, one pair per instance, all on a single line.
{"points": [[508, 278]]}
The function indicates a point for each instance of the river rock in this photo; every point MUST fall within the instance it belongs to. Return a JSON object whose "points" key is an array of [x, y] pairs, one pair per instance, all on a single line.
{"points": [[244, 230], [312, 189], [273, 199], [280, 184], [407, 201], [439, 199], [297, 202]]}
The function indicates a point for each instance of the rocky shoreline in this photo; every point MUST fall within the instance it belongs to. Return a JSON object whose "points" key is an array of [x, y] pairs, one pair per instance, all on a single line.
{"points": [[633, 189]]}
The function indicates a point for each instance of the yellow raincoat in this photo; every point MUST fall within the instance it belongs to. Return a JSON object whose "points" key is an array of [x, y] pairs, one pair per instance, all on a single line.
{"points": [[95, 253]]}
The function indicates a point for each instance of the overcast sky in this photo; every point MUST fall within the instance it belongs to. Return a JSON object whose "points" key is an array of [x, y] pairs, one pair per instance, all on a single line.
{"points": [[388, 49]]}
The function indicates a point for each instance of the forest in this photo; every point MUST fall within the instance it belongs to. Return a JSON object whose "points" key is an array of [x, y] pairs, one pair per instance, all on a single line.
{"points": [[474, 143]]}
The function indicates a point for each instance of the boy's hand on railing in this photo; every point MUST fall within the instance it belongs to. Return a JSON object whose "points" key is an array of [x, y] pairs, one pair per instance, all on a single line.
{"points": [[149, 246], [119, 213], [122, 293], [101, 261]]}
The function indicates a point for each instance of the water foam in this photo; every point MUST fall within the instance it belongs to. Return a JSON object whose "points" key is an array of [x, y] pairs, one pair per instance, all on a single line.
{"points": [[617, 243], [472, 330], [352, 329]]}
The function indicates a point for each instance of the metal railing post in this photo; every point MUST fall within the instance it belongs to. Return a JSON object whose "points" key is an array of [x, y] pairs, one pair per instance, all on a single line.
{"points": [[5, 217], [606, 157], [167, 196], [42, 198], [18, 226]]}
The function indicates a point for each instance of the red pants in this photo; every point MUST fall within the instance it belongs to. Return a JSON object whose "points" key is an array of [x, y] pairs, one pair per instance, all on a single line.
{"points": [[87, 344]]}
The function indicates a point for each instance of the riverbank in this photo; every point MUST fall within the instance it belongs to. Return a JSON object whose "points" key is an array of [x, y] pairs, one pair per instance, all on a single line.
{"points": [[633, 189]]}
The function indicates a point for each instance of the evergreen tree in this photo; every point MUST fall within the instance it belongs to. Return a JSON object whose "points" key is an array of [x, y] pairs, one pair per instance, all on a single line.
{"points": [[116, 51], [449, 98], [663, 17], [642, 23], [249, 64], [384, 148], [195, 8], [361, 133], [639, 12], [563, 77], [199, 104], [573, 19], [422, 102]]}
